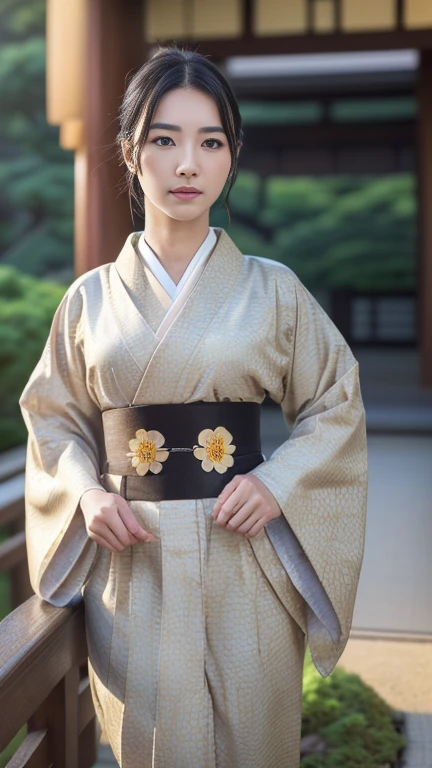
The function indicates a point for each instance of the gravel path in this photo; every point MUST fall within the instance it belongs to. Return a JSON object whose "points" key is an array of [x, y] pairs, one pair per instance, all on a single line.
{"points": [[399, 670]]}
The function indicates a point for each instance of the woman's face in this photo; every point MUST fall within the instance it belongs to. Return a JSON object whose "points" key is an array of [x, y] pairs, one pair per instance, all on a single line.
{"points": [[186, 147]]}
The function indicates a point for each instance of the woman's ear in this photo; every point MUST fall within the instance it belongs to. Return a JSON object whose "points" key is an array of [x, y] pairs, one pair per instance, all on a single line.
{"points": [[127, 154]]}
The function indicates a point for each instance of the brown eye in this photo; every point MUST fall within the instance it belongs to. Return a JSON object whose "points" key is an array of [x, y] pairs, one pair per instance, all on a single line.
{"points": [[161, 138], [214, 141]]}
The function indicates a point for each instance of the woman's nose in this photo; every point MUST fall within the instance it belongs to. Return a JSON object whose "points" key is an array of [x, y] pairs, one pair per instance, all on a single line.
{"points": [[188, 165]]}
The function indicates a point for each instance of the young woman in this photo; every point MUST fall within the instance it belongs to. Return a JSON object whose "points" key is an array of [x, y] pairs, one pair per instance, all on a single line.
{"points": [[204, 568]]}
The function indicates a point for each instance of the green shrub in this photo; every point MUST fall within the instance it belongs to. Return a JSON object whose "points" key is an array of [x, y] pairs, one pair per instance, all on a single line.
{"points": [[27, 307], [346, 232], [354, 721]]}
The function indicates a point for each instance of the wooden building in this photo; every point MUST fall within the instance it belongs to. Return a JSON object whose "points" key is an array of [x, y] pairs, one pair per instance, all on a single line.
{"points": [[94, 44]]}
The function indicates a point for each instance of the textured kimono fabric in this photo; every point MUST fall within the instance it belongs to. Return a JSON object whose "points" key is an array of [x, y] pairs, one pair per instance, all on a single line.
{"points": [[196, 640]]}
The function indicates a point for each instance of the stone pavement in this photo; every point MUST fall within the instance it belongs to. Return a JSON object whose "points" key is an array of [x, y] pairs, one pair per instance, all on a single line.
{"points": [[418, 729], [106, 758]]}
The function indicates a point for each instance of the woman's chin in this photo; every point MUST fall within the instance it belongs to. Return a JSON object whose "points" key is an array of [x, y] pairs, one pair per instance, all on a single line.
{"points": [[188, 213]]}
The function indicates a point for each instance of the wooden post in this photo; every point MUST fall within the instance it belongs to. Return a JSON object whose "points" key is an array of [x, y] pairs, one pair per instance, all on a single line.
{"points": [[114, 47], [59, 714], [424, 93]]}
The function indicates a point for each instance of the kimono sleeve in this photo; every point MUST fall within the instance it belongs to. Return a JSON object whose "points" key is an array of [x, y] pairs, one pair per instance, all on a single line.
{"points": [[319, 477], [64, 426]]}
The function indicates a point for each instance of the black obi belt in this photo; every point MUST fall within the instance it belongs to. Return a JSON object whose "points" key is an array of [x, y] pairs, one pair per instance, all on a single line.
{"points": [[179, 450]]}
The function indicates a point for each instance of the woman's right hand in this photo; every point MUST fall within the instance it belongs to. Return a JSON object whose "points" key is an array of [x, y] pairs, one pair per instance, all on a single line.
{"points": [[110, 521]]}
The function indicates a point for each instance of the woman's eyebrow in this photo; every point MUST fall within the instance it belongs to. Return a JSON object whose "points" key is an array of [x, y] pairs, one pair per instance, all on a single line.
{"points": [[165, 127], [211, 129], [170, 127]]}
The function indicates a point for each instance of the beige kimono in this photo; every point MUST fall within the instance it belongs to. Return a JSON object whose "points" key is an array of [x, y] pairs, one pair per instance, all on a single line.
{"points": [[196, 640]]}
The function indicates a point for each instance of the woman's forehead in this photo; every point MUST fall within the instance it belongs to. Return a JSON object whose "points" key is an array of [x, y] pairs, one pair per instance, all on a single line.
{"points": [[185, 108]]}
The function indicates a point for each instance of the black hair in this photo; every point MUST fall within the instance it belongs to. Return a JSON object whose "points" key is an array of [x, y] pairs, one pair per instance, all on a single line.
{"points": [[173, 67]]}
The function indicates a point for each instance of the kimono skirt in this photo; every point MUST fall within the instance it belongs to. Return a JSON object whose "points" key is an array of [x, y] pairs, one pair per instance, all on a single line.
{"points": [[206, 663]]}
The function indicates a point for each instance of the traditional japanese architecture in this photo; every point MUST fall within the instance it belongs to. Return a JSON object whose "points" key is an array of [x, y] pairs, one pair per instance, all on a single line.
{"points": [[94, 44]]}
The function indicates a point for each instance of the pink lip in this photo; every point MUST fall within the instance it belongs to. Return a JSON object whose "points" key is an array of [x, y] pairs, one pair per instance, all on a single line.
{"points": [[186, 193], [186, 189]]}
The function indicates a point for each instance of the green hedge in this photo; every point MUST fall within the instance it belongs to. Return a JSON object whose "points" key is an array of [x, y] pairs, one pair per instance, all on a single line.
{"points": [[343, 232], [354, 721], [27, 306]]}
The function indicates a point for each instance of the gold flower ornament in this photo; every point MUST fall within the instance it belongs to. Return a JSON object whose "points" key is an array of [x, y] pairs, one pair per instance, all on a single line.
{"points": [[215, 449], [146, 451]]}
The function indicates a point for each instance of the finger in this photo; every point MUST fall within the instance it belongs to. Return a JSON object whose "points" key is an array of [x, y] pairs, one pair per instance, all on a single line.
{"points": [[241, 515], [103, 543], [231, 505], [256, 529], [254, 518], [131, 522], [225, 493], [119, 544], [102, 529], [117, 526]]}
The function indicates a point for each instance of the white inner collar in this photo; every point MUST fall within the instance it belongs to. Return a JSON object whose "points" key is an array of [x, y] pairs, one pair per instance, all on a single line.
{"points": [[160, 273]]}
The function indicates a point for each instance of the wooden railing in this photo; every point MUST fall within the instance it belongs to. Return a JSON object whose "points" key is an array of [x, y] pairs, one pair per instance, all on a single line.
{"points": [[43, 654], [44, 683], [13, 555]]}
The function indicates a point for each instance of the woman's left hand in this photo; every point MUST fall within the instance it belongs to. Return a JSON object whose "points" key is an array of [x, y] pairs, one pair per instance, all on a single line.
{"points": [[245, 505]]}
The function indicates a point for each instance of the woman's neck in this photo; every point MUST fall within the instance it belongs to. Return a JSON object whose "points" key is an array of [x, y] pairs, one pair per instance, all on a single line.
{"points": [[175, 242]]}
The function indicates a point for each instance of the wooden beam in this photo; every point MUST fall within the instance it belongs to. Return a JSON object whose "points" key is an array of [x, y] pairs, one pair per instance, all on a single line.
{"points": [[248, 17], [399, 14], [323, 134], [310, 87], [114, 48], [425, 216], [313, 43]]}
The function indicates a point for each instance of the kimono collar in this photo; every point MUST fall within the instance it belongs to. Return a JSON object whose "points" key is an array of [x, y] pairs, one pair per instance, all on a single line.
{"points": [[179, 339], [159, 270], [220, 273]]}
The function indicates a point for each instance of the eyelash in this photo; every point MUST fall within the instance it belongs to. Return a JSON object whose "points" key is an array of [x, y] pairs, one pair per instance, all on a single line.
{"points": [[153, 141]]}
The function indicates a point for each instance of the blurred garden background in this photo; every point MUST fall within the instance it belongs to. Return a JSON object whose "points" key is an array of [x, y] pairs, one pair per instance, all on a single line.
{"points": [[351, 231], [329, 184]]}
